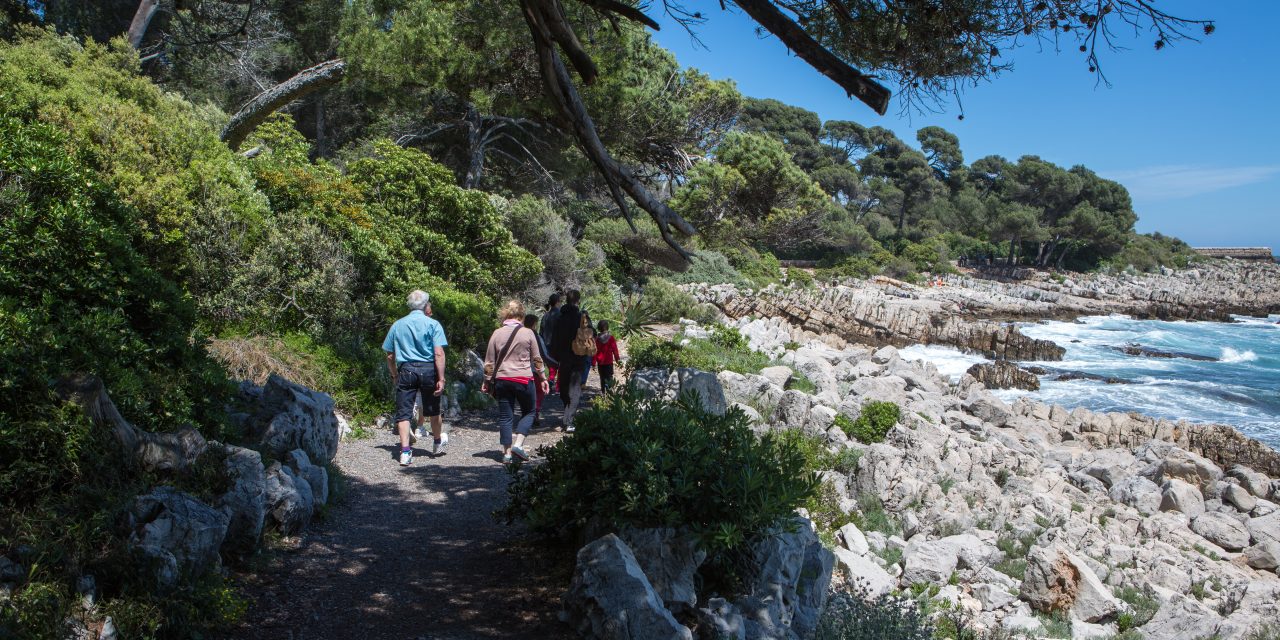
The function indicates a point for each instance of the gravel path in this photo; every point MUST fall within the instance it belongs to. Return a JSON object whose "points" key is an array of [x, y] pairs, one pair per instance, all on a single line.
{"points": [[408, 553]]}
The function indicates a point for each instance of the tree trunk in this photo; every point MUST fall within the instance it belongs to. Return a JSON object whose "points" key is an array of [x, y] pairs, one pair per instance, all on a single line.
{"points": [[475, 148], [141, 20], [264, 104], [559, 89], [322, 142], [174, 451]]}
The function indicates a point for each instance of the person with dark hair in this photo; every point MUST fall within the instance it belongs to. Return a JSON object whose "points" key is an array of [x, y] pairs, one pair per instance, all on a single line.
{"points": [[549, 318], [574, 367], [531, 323], [606, 355]]}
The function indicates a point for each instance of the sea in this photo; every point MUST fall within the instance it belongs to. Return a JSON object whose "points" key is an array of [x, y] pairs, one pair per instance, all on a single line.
{"points": [[1236, 383]]}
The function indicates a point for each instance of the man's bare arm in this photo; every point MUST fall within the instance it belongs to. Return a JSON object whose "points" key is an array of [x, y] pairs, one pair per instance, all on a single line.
{"points": [[391, 365], [439, 370]]}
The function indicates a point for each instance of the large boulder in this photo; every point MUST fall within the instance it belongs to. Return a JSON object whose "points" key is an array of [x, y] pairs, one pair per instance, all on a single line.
{"points": [[1184, 465], [179, 533], [1265, 528], [779, 375], [988, 408], [933, 561], [1059, 581], [707, 388], [863, 572], [245, 502], [670, 561], [1181, 618], [473, 369], [791, 571], [793, 410], [1264, 556], [1003, 374], [1252, 481], [291, 416], [611, 599], [1137, 492], [1177, 495], [1238, 497], [290, 501], [1222, 530], [316, 477]]}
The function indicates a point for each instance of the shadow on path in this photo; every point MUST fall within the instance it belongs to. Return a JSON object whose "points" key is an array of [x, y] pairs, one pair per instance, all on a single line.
{"points": [[414, 552]]}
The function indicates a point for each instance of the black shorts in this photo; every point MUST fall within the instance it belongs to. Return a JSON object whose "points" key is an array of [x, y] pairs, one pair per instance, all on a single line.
{"points": [[415, 377]]}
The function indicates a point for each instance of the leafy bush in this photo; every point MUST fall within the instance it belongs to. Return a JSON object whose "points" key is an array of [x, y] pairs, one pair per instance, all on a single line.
{"points": [[727, 337], [106, 310], [875, 420], [760, 268], [710, 267], [667, 302], [797, 277], [855, 266], [853, 614], [657, 353], [932, 256], [636, 462], [1142, 608]]}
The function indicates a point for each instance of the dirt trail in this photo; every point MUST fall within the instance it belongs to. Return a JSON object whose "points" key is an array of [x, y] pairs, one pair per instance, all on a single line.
{"points": [[415, 552]]}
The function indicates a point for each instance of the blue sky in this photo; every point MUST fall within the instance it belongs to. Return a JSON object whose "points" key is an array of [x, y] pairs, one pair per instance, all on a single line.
{"points": [[1191, 130]]}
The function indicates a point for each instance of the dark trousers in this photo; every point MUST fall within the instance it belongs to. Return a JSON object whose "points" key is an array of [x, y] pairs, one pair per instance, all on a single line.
{"points": [[509, 394], [606, 376], [573, 371]]}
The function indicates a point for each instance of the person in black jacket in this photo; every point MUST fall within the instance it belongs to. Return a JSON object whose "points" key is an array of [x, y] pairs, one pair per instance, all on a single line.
{"points": [[573, 367]]}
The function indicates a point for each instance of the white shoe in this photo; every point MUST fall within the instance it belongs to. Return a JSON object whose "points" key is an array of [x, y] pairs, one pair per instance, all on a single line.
{"points": [[414, 435], [568, 428], [437, 447], [405, 458]]}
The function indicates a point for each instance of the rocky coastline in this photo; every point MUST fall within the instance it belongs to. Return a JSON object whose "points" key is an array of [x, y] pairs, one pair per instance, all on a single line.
{"points": [[970, 311], [1020, 517]]}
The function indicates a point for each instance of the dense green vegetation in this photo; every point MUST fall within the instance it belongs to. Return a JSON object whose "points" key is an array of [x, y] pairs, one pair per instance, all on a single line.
{"points": [[142, 243], [646, 463]]}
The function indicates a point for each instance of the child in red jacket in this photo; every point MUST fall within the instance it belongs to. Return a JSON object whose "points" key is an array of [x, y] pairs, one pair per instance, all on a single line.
{"points": [[606, 355]]}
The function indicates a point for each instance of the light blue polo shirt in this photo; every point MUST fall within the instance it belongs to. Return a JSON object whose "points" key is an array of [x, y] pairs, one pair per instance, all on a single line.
{"points": [[414, 338]]}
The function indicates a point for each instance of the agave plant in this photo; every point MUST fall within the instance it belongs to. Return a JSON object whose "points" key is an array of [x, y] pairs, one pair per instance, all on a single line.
{"points": [[637, 319]]}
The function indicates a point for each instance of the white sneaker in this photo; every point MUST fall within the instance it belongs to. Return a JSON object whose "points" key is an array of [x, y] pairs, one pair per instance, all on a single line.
{"points": [[437, 447], [568, 428], [405, 458], [414, 434]]}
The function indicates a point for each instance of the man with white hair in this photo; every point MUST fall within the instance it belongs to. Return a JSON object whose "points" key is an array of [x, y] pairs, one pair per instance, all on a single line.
{"points": [[415, 355]]}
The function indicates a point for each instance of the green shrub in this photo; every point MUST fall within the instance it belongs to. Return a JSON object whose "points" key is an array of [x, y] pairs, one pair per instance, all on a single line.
{"points": [[709, 267], [760, 268], [668, 303], [801, 382], [727, 337], [853, 614], [644, 462], [797, 277], [873, 423], [656, 353], [932, 256], [1142, 607]]}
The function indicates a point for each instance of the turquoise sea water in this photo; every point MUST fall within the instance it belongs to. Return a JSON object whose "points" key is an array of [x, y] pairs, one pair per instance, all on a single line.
{"points": [[1240, 386]]}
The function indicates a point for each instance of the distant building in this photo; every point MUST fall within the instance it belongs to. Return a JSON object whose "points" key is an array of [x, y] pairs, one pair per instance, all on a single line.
{"points": [[1239, 253]]}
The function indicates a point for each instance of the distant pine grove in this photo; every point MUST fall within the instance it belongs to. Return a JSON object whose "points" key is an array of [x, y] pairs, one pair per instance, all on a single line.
{"points": [[137, 246]]}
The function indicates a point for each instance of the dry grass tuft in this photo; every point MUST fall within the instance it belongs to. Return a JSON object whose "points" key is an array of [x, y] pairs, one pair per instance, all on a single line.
{"points": [[255, 358]]}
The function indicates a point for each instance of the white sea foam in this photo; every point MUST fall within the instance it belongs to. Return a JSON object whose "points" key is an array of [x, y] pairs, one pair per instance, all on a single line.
{"points": [[1231, 355], [950, 362]]}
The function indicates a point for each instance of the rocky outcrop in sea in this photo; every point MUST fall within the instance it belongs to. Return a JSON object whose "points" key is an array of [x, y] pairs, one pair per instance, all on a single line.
{"points": [[969, 311]]}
